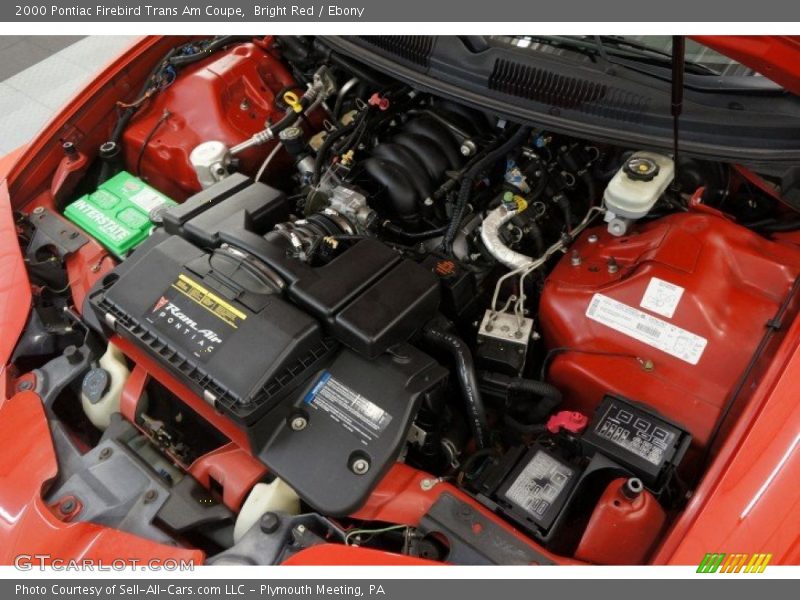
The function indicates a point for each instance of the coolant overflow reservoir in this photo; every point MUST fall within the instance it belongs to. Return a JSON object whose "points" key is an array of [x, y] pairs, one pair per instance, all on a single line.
{"points": [[635, 188]]}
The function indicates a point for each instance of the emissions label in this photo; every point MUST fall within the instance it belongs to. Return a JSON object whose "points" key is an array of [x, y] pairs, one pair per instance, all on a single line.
{"points": [[648, 329], [194, 317], [661, 297], [636, 434], [537, 488], [364, 419]]}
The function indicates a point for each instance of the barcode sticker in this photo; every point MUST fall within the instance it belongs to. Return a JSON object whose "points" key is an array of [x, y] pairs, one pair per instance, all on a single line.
{"points": [[647, 329]]}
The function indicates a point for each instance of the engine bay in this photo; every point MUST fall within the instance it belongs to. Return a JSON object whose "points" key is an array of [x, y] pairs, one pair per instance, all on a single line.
{"points": [[305, 303]]}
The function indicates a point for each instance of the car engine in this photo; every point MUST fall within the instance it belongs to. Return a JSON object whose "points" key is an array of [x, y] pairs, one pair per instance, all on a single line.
{"points": [[301, 298]]}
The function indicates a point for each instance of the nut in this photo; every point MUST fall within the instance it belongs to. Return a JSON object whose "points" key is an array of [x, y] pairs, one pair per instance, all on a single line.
{"points": [[360, 466]]}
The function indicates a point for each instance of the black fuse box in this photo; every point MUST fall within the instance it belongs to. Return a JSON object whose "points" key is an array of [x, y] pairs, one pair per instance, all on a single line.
{"points": [[529, 486], [538, 488], [635, 437]]}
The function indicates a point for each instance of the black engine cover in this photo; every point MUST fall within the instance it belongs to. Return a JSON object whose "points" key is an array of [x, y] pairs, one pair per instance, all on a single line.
{"points": [[267, 338]]}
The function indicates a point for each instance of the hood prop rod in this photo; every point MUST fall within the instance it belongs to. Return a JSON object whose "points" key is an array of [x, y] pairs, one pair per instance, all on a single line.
{"points": [[678, 69]]}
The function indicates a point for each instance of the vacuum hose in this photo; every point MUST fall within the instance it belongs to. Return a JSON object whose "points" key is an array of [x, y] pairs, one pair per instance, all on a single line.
{"points": [[468, 180], [499, 384], [466, 377]]}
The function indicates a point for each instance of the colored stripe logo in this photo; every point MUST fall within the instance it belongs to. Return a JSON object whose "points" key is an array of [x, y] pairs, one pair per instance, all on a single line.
{"points": [[718, 562]]}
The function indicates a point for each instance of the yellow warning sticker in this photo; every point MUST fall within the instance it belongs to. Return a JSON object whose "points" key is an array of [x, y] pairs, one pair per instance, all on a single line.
{"points": [[209, 300]]}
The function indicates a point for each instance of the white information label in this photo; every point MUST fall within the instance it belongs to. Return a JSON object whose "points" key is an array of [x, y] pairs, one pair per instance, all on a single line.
{"points": [[648, 329], [147, 200], [661, 297]]}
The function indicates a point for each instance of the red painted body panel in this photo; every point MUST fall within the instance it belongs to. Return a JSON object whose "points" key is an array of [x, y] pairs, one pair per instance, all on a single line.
{"points": [[621, 531], [774, 56], [759, 464], [402, 498], [235, 469], [727, 273], [15, 291], [200, 406], [336, 554], [227, 98], [9, 160], [27, 525]]}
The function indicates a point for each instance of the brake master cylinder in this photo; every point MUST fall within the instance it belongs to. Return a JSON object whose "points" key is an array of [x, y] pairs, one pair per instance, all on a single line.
{"points": [[635, 189]]}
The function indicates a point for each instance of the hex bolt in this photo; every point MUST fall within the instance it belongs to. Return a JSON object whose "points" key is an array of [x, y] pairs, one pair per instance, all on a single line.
{"points": [[25, 385], [299, 423], [427, 484], [70, 150], [105, 453], [360, 466], [269, 522], [592, 239], [613, 267], [575, 259], [468, 148], [67, 506], [38, 210], [72, 355], [150, 496]]}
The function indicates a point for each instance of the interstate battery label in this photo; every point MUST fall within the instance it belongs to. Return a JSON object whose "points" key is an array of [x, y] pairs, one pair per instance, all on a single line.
{"points": [[363, 418], [194, 317], [647, 329], [103, 223]]}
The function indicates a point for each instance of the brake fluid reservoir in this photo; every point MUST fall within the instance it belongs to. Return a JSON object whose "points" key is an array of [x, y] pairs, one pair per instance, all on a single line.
{"points": [[635, 189]]}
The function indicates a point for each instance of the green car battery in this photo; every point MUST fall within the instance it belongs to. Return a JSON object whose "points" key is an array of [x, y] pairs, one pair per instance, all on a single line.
{"points": [[119, 214]]}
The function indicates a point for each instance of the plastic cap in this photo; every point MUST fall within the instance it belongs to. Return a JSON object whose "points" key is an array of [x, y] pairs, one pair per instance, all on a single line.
{"points": [[572, 421]]}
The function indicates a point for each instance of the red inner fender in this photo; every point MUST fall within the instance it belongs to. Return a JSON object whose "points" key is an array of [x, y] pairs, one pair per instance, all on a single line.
{"points": [[226, 98], [733, 281]]}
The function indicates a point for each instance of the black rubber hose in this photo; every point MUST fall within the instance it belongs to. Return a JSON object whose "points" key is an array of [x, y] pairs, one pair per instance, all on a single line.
{"points": [[468, 380], [467, 182], [188, 59], [535, 233], [355, 69], [286, 121], [330, 140], [550, 396], [412, 236], [779, 226], [562, 202]]}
